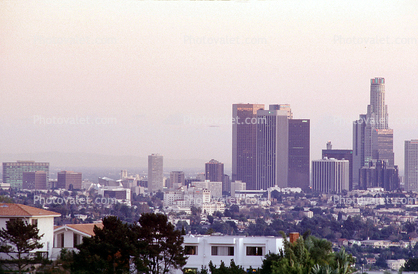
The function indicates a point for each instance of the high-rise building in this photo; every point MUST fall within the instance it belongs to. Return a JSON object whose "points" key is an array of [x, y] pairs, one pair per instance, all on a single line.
{"points": [[244, 132], [155, 173], [272, 149], [299, 153], [13, 171], [340, 154], [372, 138], [214, 171], [379, 174], [69, 180], [411, 165], [330, 175], [176, 179], [34, 180]]}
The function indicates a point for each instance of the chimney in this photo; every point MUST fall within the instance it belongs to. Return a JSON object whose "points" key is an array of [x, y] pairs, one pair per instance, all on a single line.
{"points": [[293, 236]]}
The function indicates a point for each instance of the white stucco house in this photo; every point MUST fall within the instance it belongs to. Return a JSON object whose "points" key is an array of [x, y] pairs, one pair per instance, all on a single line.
{"points": [[44, 220], [70, 235], [245, 251]]}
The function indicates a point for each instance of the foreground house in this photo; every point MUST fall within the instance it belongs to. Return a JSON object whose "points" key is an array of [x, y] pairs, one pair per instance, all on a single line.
{"points": [[43, 219], [70, 235], [245, 251]]}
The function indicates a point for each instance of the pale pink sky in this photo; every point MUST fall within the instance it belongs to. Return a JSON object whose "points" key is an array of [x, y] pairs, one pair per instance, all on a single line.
{"points": [[151, 66]]}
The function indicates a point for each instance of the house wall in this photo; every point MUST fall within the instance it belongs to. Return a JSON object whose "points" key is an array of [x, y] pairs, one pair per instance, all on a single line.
{"points": [[45, 226], [204, 250]]}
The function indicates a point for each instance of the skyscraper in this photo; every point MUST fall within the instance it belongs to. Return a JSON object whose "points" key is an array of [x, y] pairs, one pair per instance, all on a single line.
{"points": [[330, 175], [272, 149], [372, 138], [13, 171], [155, 173], [214, 171], [299, 144], [411, 165], [244, 132]]}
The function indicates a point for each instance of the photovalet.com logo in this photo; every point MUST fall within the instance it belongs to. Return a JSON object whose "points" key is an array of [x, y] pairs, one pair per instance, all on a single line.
{"points": [[77, 200]]}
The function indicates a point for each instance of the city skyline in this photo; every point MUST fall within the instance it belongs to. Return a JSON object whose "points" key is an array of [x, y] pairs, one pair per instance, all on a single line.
{"points": [[83, 77]]}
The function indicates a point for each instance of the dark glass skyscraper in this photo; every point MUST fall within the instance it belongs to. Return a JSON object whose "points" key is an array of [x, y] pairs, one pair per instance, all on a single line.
{"points": [[244, 130], [299, 158]]}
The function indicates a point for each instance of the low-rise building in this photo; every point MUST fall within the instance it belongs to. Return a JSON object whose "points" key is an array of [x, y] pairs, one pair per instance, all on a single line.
{"points": [[43, 219], [245, 251]]}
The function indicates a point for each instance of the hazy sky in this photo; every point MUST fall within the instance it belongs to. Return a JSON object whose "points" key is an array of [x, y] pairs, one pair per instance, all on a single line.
{"points": [[144, 77]]}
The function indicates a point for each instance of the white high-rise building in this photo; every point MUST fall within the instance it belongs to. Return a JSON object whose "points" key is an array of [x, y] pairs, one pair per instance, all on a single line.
{"points": [[330, 175], [411, 165], [272, 148], [155, 172]]}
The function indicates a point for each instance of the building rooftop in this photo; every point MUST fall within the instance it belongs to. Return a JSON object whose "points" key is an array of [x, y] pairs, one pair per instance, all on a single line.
{"points": [[18, 210]]}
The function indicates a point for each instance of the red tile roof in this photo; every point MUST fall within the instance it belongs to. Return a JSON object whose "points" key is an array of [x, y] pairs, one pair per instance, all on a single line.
{"points": [[85, 228], [18, 210]]}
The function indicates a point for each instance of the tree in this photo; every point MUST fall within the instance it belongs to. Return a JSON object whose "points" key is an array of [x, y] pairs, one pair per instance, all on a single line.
{"points": [[232, 269], [163, 249], [20, 238], [411, 265], [108, 251]]}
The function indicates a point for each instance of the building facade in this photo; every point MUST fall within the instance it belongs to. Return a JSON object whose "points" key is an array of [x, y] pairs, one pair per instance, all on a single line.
{"points": [[214, 171], [43, 219], [245, 251], [35, 180], [272, 149], [69, 180], [341, 154], [155, 173], [299, 153], [244, 132], [13, 171], [379, 174], [411, 165], [176, 179], [330, 175]]}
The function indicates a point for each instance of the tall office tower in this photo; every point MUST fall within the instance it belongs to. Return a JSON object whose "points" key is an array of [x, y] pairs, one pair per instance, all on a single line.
{"points": [[214, 171], [34, 180], [340, 154], [176, 179], [299, 158], [272, 149], [379, 174], [155, 173], [244, 132], [69, 180], [13, 171], [411, 165], [359, 157], [372, 138], [377, 108], [330, 175]]}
